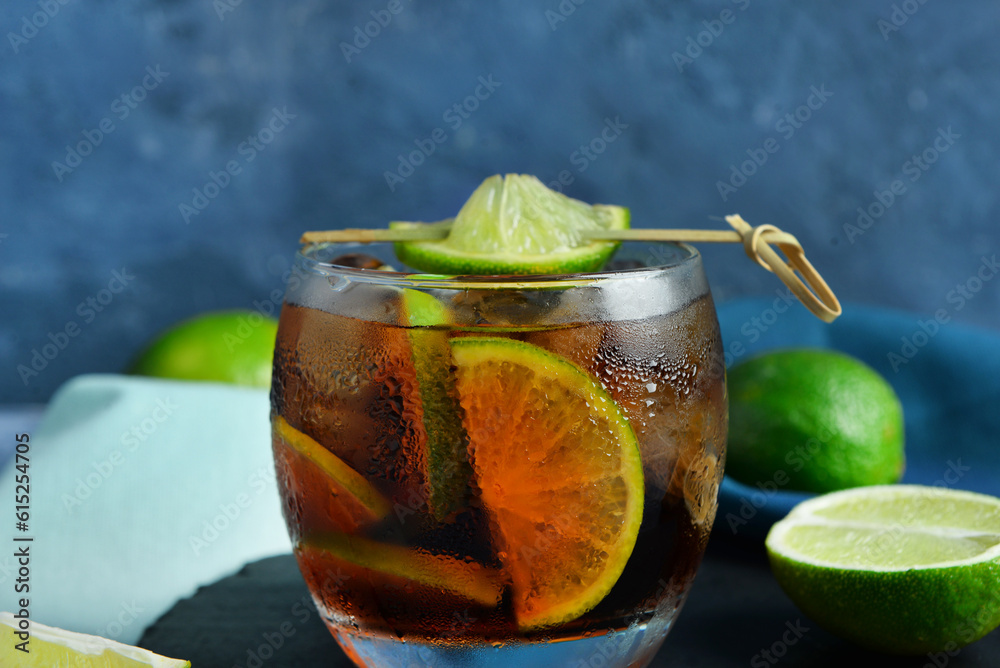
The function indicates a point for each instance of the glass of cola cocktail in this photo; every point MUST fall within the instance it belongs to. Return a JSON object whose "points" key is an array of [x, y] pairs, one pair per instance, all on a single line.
{"points": [[499, 470]]}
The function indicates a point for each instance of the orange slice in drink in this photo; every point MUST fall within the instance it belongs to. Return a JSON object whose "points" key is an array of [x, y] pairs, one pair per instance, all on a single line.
{"points": [[559, 470], [361, 495]]}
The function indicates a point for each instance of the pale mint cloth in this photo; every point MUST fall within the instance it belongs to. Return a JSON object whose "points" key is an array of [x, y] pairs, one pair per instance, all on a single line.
{"points": [[141, 491]]}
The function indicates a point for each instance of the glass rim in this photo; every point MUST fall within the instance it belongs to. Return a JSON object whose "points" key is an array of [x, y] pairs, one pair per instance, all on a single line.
{"points": [[305, 256]]}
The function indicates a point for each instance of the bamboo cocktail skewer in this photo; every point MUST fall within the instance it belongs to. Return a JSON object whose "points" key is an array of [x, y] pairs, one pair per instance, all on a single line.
{"points": [[814, 293]]}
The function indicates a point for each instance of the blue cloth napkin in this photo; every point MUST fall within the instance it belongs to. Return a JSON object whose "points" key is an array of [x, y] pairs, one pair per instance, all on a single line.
{"points": [[947, 376], [141, 491]]}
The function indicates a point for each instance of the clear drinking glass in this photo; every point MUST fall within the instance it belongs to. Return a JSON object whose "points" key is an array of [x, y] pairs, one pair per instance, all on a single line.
{"points": [[426, 543]]}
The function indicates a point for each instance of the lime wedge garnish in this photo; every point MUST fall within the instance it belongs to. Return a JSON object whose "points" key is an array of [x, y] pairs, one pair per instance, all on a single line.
{"points": [[49, 646], [558, 466], [903, 569], [448, 470], [516, 225], [440, 571]]}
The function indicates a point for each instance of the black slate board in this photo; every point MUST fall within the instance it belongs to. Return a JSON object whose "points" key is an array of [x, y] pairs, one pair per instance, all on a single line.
{"points": [[735, 612]]}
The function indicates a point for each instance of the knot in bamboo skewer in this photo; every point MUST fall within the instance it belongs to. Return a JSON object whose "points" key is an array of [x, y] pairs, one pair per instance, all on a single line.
{"points": [[820, 299]]}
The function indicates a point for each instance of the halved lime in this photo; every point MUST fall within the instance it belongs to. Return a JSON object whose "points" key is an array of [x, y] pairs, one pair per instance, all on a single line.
{"points": [[904, 569], [440, 571], [560, 474], [516, 225], [49, 646]]}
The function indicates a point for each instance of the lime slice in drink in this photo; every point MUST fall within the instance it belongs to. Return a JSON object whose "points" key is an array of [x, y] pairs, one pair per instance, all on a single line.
{"points": [[49, 646], [448, 470], [344, 481], [516, 225], [439, 571], [422, 309], [560, 474], [904, 569]]}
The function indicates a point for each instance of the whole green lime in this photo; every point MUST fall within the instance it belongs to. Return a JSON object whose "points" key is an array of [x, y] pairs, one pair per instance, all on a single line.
{"points": [[224, 346], [904, 569], [813, 421]]}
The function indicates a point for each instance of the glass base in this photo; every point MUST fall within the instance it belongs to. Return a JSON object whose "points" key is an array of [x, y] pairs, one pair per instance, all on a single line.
{"points": [[633, 647]]}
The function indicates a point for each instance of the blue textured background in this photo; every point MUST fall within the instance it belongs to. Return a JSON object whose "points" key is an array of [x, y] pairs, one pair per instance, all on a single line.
{"points": [[231, 63]]}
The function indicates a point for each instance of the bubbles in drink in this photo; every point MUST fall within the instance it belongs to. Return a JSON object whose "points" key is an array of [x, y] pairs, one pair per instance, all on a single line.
{"points": [[351, 386]]}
